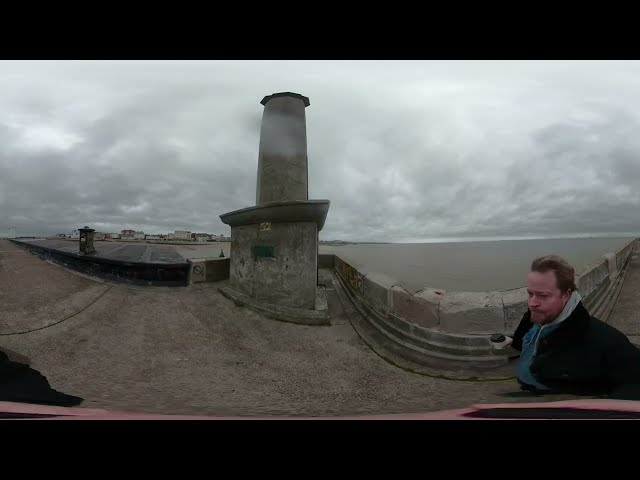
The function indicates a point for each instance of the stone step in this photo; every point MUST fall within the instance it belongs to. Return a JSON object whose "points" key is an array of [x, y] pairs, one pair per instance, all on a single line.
{"points": [[397, 354], [428, 339], [427, 334], [419, 351], [420, 356], [391, 325]]}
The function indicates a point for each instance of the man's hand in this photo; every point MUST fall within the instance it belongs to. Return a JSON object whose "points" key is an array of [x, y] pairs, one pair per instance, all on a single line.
{"points": [[499, 341]]}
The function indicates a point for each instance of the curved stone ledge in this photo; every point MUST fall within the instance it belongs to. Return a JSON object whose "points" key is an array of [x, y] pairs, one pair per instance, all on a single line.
{"points": [[455, 326]]}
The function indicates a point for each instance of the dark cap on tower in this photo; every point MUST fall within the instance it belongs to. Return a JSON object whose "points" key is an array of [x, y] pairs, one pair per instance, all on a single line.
{"points": [[286, 94]]}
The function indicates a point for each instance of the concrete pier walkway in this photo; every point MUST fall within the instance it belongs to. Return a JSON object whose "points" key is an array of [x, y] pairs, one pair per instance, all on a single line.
{"points": [[190, 350], [626, 312]]}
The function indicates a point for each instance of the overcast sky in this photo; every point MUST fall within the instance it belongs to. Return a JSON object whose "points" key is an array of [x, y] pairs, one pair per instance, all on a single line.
{"points": [[405, 151]]}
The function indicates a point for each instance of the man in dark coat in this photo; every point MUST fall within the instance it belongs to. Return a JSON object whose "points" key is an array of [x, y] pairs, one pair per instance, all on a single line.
{"points": [[566, 350], [21, 383]]}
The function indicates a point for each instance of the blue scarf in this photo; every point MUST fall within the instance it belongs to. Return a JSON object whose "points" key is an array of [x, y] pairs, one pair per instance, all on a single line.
{"points": [[532, 338]]}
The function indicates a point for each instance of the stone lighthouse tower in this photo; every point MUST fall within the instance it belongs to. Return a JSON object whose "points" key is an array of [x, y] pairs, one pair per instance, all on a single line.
{"points": [[274, 244]]}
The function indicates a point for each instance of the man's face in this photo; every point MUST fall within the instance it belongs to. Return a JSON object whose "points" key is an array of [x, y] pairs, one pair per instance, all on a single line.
{"points": [[546, 301]]}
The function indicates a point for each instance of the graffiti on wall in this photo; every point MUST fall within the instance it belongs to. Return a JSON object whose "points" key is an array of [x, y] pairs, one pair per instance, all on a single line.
{"points": [[352, 277]]}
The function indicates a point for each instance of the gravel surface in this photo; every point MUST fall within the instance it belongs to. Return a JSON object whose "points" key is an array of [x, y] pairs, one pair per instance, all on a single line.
{"points": [[189, 350]]}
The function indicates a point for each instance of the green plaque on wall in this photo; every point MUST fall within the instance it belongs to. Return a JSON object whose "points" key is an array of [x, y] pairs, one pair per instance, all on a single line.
{"points": [[264, 251]]}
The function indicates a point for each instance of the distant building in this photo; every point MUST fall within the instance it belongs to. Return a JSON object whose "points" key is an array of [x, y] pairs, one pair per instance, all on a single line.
{"points": [[201, 237], [138, 235], [115, 236], [184, 235], [153, 237], [127, 234]]}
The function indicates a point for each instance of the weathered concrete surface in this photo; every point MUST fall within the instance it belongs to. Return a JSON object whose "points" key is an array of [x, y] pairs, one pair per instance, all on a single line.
{"points": [[212, 270], [421, 308], [282, 155], [326, 260], [289, 278], [515, 305], [626, 313], [26, 289], [86, 241], [471, 312], [274, 251], [217, 269], [318, 316], [283, 212], [623, 253], [377, 292], [611, 265], [592, 277], [242, 265], [197, 270], [190, 350], [353, 278]]}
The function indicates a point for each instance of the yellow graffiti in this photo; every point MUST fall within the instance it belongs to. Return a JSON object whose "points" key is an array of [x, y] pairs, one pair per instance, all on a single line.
{"points": [[353, 277]]}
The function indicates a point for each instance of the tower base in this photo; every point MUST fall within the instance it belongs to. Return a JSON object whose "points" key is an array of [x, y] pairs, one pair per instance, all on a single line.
{"points": [[318, 316], [274, 252]]}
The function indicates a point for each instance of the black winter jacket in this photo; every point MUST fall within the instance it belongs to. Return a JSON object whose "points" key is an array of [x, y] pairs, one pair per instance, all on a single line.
{"points": [[21, 383], [585, 356]]}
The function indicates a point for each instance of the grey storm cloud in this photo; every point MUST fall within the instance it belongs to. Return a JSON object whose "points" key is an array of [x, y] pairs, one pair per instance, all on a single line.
{"points": [[405, 151]]}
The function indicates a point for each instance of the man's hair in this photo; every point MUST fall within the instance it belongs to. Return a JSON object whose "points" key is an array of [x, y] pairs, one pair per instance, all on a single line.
{"points": [[565, 274]]}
